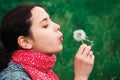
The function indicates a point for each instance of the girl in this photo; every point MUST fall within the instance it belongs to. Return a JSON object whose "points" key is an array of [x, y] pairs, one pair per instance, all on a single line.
{"points": [[31, 40]]}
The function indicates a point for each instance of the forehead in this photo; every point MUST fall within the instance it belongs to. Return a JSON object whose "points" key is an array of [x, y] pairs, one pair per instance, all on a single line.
{"points": [[39, 12]]}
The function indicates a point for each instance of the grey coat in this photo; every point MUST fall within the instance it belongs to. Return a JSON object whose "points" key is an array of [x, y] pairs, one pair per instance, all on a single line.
{"points": [[14, 72]]}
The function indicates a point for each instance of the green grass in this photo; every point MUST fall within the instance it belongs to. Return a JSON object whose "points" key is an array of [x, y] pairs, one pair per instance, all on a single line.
{"points": [[101, 22]]}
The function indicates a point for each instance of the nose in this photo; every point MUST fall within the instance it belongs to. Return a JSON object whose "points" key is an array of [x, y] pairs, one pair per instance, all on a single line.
{"points": [[57, 27]]}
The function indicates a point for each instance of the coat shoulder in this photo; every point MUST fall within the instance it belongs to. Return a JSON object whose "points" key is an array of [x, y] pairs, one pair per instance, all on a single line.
{"points": [[14, 72]]}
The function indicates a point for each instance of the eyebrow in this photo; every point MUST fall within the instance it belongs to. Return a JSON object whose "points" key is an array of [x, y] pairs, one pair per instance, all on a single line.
{"points": [[43, 20]]}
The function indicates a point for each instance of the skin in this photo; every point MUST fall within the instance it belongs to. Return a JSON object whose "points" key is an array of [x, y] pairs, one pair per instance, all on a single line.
{"points": [[83, 63], [46, 38], [46, 35]]}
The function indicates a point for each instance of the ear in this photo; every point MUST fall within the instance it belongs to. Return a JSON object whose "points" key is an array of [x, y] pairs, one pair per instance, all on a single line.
{"points": [[24, 42]]}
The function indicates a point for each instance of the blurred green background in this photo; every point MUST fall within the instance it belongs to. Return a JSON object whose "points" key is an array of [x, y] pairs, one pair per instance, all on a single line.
{"points": [[100, 19]]}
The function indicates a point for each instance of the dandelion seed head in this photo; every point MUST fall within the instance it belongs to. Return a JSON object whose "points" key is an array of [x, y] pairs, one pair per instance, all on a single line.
{"points": [[79, 35]]}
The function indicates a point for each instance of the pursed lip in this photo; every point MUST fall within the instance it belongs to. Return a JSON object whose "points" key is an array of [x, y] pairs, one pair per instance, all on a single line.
{"points": [[61, 38]]}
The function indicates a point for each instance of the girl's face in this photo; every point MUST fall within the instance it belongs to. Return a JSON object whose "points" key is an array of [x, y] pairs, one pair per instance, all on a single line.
{"points": [[46, 35]]}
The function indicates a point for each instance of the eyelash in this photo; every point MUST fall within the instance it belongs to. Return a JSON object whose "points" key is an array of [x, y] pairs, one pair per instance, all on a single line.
{"points": [[45, 26]]}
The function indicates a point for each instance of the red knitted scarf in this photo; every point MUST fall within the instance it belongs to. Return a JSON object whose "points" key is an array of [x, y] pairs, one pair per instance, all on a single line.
{"points": [[37, 65]]}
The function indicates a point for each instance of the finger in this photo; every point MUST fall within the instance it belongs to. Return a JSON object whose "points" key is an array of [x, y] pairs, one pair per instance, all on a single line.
{"points": [[86, 50], [90, 54], [91, 57], [81, 49]]}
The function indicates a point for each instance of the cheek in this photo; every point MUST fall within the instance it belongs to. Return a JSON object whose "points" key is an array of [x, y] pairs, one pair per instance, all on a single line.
{"points": [[49, 39], [46, 42], [45, 39]]}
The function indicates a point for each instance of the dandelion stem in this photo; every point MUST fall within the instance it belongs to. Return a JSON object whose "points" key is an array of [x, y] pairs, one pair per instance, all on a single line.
{"points": [[82, 42]]}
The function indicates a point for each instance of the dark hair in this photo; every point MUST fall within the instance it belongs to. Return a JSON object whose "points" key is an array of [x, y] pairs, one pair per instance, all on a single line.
{"points": [[14, 24]]}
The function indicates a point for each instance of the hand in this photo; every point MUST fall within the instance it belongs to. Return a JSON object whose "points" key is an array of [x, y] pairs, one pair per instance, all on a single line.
{"points": [[83, 63]]}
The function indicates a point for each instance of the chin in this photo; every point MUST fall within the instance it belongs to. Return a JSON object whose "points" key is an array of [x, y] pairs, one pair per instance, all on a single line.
{"points": [[57, 49], [60, 49], [54, 50]]}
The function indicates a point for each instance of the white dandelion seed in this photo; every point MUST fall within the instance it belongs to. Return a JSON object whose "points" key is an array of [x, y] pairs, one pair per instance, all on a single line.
{"points": [[79, 35]]}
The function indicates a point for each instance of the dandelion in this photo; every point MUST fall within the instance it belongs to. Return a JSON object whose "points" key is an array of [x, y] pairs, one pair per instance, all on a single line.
{"points": [[80, 35]]}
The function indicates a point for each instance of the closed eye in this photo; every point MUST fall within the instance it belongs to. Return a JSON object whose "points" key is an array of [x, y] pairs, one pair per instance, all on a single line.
{"points": [[45, 26]]}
